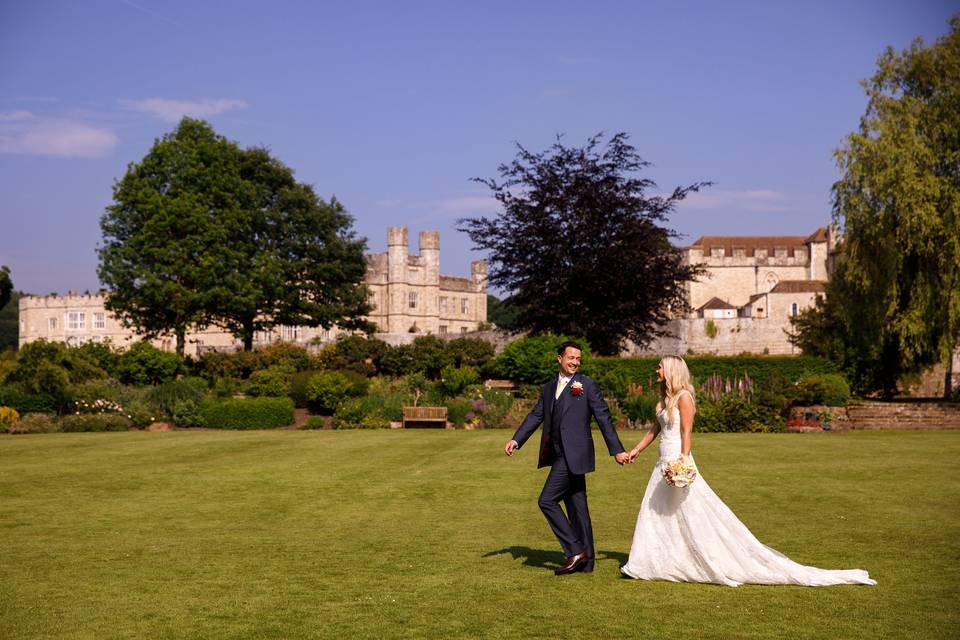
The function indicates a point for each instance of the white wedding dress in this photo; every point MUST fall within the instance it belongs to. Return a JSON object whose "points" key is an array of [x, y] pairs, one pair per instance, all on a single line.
{"points": [[690, 535]]}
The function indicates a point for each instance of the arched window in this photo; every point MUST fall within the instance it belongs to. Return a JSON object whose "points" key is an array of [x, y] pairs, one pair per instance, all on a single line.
{"points": [[794, 309]]}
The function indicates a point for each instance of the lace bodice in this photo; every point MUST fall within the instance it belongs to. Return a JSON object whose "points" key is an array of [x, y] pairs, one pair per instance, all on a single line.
{"points": [[670, 443]]}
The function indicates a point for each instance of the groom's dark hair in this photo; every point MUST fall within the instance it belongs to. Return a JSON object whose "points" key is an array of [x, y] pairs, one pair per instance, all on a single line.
{"points": [[563, 347]]}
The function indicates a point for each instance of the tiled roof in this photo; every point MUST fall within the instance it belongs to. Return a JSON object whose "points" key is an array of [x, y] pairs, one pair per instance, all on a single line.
{"points": [[820, 235], [749, 244], [800, 286], [716, 303]]}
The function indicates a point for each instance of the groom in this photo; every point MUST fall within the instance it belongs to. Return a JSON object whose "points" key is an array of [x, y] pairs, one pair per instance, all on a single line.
{"points": [[565, 406]]}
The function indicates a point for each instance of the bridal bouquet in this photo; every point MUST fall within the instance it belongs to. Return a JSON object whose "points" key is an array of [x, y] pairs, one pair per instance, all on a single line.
{"points": [[679, 472]]}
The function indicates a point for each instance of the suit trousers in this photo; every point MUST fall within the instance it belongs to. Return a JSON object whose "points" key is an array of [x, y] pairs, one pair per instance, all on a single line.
{"points": [[573, 528]]}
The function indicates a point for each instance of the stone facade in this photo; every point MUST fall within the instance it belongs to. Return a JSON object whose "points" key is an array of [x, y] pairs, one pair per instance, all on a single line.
{"points": [[753, 286], [409, 297]]}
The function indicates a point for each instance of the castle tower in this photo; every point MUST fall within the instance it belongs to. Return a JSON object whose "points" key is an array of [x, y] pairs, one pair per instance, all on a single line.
{"points": [[478, 275], [396, 296]]}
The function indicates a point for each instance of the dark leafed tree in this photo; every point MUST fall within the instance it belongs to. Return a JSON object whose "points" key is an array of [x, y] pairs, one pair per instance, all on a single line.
{"points": [[893, 305], [166, 256], [6, 286], [578, 243]]}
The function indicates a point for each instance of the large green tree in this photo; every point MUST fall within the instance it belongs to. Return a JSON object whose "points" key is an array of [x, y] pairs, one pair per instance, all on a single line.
{"points": [[578, 243], [203, 232], [167, 256], [298, 262], [895, 298]]}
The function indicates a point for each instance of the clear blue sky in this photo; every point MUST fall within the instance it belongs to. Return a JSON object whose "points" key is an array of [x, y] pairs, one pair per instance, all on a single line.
{"points": [[393, 106]]}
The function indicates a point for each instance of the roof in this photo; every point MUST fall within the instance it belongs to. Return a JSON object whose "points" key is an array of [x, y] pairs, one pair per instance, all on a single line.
{"points": [[750, 243], [820, 235], [800, 286], [716, 303]]}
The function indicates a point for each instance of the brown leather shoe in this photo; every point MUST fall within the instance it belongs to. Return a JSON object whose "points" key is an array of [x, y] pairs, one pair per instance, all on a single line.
{"points": [[573, 563]]}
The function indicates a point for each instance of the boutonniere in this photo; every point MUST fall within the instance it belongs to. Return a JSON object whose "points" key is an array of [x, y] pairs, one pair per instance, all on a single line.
{"points": [[576, 388]]}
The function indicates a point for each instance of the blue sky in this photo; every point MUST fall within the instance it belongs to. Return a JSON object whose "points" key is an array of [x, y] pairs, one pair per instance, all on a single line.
{"points": [[394, 106]]}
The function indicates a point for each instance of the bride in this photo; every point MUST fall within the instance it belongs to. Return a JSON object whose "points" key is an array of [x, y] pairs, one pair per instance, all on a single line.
{"points": [[688, 534]]}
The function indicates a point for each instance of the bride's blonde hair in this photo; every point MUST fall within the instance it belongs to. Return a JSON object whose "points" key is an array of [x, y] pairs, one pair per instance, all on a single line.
{"points": [[676, 378]]}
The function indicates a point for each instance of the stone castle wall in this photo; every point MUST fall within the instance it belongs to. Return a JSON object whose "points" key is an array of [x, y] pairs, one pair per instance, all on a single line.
{"points": [[438, 304]]}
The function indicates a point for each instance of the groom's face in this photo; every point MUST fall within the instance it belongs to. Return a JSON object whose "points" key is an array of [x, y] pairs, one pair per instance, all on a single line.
{"points": [[569, 361]]}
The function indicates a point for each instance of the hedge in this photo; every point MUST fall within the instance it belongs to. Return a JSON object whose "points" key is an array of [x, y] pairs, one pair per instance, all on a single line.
{"points": [[248, 413], [614, 374]]}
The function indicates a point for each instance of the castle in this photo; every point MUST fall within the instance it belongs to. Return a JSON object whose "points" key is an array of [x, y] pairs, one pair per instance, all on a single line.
{"points": [[409, 296], [752, 287]]}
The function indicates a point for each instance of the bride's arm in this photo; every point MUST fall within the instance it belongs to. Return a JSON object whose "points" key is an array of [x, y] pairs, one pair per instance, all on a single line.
{"points": [[685, 404], [648, 437]]}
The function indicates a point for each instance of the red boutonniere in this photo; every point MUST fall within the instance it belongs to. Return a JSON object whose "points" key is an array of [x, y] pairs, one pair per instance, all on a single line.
{"points": [[576, 388]]}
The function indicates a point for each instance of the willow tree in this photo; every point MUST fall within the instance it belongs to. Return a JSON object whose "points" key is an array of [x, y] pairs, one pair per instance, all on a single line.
{"points": [[898, 202]]}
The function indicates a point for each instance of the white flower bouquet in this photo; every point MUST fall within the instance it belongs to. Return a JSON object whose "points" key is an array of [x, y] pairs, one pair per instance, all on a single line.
{"points": [[679, 472]]}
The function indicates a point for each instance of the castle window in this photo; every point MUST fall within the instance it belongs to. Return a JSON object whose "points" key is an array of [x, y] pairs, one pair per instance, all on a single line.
{"points": [[76, 320], [99, 321], [794, 310], [289, 334], [443, 304], [96, 339], [52, 324], [463, 305], [413, 299], [463, 329], [443, 329]]}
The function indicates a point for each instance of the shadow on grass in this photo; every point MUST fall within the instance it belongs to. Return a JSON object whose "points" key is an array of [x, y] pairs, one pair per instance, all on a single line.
{"points": [[543, 559]]}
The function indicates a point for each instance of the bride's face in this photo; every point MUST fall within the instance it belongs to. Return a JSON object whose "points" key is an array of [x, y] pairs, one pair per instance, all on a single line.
{"points": [[660, 372]]}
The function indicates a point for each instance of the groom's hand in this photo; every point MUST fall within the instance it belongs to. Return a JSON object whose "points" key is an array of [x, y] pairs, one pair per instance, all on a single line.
{"points": [[623, 458], [510, 447]]}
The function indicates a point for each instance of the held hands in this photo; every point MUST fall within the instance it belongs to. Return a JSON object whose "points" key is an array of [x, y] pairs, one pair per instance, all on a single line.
{"points": [[510, 447], [634, 454], [623, 458]]}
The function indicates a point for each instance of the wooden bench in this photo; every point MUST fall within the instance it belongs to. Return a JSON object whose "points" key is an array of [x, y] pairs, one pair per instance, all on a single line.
{"points": [[425, 417]]}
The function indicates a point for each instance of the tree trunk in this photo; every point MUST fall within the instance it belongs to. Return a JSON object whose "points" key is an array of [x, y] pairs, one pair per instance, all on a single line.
{"points": [[248, 334], [952, 357], [181, 340]]}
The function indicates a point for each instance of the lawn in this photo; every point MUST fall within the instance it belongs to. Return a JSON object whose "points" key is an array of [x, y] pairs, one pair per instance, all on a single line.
{"points": [[436, 534]]}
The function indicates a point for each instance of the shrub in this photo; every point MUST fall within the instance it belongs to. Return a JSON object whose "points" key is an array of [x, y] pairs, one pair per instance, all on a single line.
{"points": [[178, 401], [297, 387], [399, 361], [219, 364], [274, 381], [25, 402], [491, 408], [144, 364], [355, 353], [48, 367], [315, 422], [640, 408], [470, 352], [285, 354], [8, 416], [35, 423], [454, 380], [326, 390], [830, 389], [359, 383], [430, 355], [360, 413], [533, 359], [94, 422], [459, 411], [248, 413], [734, 414], [102, 354]]}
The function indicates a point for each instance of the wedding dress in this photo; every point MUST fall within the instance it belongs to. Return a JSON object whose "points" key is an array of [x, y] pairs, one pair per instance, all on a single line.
{"points": [[689, 535]]}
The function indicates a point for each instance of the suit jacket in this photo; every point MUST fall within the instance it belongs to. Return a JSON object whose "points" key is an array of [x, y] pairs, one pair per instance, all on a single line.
{"points": [[571, 415]]}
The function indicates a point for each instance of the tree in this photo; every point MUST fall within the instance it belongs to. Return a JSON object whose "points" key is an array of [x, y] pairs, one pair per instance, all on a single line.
{"points": [[501, 312], [167, 256], [578, 246], [298, 262], [896, 294], [6, 286], [203, 232]]}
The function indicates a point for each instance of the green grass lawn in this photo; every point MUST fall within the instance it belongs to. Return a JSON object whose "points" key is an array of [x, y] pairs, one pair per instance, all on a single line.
{"points": [[436, 534]]}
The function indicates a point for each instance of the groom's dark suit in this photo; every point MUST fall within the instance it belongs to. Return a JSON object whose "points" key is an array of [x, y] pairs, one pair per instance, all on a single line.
{"points": [[566, 446]]}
